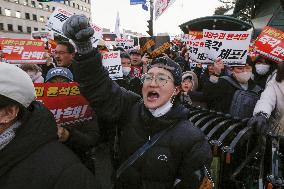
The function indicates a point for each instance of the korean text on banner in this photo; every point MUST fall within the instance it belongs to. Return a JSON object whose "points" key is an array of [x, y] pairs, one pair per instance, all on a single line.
{"points": [[271, 44], [43, 35], [57, 19], [161, 6], [23, 51], [64, 101], [124, 42], [231, 46], [196, 47], [112, 62], [155, 45], [136, 2], [98, 35]]}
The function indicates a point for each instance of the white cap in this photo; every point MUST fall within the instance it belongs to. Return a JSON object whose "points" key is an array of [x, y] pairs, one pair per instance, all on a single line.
{"points": [[16, 84]]}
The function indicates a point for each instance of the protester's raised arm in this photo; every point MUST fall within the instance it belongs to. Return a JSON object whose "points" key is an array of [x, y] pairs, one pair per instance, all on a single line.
{"points": [[104, 95]]}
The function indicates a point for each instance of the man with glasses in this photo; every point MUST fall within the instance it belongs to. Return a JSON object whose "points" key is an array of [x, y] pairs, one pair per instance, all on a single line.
{"points": [[179, 151], [64, 54]]}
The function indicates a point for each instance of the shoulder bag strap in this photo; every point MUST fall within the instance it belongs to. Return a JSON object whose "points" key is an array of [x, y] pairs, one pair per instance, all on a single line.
{"points": [[127, 163]]}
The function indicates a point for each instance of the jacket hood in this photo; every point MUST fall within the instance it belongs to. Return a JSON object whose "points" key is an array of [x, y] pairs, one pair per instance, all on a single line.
{"points": [[194, 78], [38, 128]]}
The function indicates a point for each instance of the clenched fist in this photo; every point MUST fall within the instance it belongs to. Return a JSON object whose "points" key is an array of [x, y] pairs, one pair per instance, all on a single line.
{"points": [[78, 29]]}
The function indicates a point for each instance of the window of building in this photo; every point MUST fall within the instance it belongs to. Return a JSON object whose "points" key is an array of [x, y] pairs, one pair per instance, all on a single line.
{"points": [[81, 8], [27, 16], [18, 14], [78, 6], [74, 5], [41, 18], [35, 29], [29, 29], [20, 28], [89, 1], [53, 8], [10, 27], [25, 2], [40, 6], [1, 26], [34, 17], [47, 8], [66, 2], [0, 10], [7, 12], [42, 29], [33, 4]]}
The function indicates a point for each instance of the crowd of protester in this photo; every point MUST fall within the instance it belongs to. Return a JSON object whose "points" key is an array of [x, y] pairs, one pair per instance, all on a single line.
{"points": [[150, 103]]}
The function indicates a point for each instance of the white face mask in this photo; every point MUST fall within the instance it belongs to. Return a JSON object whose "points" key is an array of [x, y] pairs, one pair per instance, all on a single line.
{"points": [[262, 69], [162, 110], [243, 77], [126, 70]]}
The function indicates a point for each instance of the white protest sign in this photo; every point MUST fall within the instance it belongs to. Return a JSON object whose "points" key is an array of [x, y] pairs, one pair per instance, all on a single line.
{"points": [[112, 62], [197, 51], [231, 46], [43, 35], [98, 35], [57, 19], [124, 42]]}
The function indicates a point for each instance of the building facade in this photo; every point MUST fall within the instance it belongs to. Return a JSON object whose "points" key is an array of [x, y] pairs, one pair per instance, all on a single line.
{"points": [[18, 18]]}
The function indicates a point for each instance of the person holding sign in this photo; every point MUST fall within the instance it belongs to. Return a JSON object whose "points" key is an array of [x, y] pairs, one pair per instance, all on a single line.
{"points": [[159, 147], [30, 155], [236, 94]]}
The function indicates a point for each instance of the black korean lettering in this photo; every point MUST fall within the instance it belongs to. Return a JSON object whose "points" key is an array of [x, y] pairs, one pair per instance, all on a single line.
{"points": [[225, 53], [201, 56], [216, 45], [61, 17], [208, 43]]}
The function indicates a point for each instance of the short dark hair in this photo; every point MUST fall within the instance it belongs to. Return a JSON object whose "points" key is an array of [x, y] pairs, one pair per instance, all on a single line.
{"points": [[280, 72], [6, 102], [124, 55], [70, 47]]}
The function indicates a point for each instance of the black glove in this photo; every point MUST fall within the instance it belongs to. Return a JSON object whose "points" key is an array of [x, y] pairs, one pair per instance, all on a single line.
{"points": [[78, 29], [259, 123]]}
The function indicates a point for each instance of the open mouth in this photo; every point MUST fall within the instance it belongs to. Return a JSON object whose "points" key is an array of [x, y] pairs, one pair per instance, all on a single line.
{"points": [[152, 95]]}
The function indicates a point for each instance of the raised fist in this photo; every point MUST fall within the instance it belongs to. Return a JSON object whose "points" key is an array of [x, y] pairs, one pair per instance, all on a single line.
{"points": [[78, 29]]}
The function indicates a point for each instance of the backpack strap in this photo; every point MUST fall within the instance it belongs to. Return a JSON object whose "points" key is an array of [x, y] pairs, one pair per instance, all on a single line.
{"points": [[232, 82], [257, 89]]}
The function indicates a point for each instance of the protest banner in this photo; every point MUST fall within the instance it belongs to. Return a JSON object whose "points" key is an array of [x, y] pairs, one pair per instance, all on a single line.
{"points": [[161, 6], [98, 35], [197, 51], [231, 46], [154, 46], [112, 62], [270, 43], [57, 19], [43, 35], [124, 42], [64, 101], [23, 51]]}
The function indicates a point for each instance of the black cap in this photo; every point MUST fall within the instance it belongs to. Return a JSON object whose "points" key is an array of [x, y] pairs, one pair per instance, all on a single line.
{"points": [[134, 51], [171, 66]]}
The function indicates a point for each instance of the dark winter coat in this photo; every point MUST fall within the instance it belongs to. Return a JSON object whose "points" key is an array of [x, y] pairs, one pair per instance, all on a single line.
{"points": [[219, 95], [180, 153], [35, 159]]}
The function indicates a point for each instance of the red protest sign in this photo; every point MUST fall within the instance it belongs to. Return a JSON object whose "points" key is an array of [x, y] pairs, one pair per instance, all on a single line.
{"points": [[64, 101], [22, 51], [270, 43]]}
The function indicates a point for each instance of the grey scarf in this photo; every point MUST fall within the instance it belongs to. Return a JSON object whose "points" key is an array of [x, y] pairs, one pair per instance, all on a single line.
{"points": [[8, 135]]}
